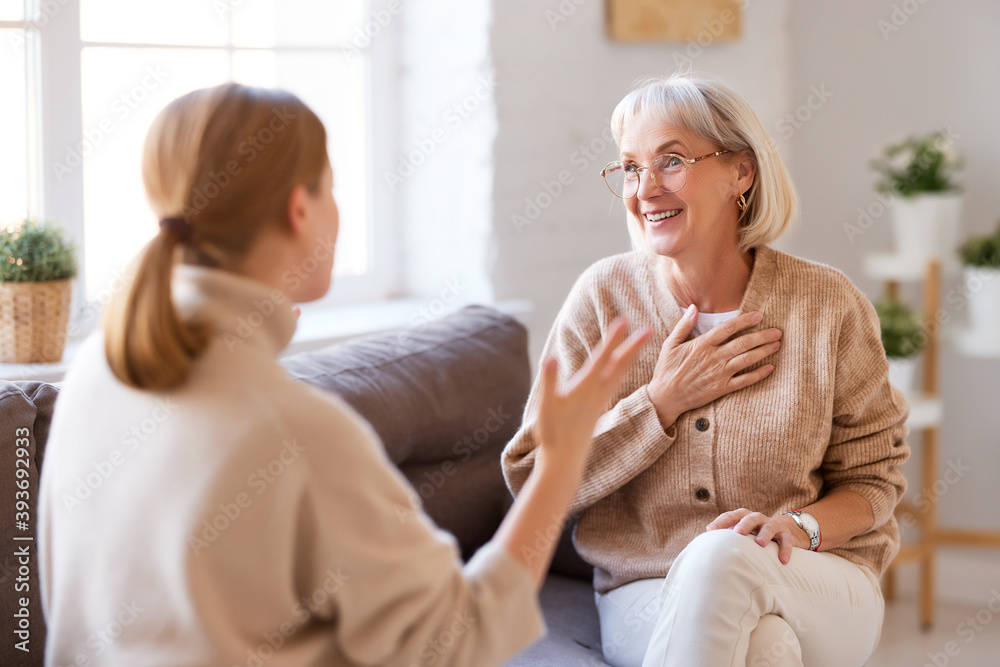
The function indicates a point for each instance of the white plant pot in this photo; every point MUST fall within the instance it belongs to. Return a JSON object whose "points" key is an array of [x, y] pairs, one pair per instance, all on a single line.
{"points": [[983, 288], [926, 225], [903, 374]]}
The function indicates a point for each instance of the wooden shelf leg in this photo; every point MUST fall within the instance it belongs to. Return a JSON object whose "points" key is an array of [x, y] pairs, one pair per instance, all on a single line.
{"points": [[889, 586], [928, 528], [927, 590]]}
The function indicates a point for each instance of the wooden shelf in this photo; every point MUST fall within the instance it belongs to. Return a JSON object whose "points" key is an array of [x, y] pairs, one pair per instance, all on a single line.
{"points": [[925, 412], [925, 416], [975, 343], [888, 266]]}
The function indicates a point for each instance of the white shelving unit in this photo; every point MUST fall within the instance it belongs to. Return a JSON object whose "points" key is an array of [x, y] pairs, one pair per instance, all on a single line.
{"points": [[926, 413], [975, 343]]}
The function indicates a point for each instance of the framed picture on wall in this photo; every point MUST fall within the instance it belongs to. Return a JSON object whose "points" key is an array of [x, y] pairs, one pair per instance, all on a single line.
{"points": [[703, 21]]}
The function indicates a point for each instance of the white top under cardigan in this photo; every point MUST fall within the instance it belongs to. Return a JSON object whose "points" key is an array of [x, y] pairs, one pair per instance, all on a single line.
{"points": [[247, 519]]}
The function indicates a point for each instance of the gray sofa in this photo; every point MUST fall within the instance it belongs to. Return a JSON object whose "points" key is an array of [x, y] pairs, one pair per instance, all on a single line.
{"points": [[444, 397]]}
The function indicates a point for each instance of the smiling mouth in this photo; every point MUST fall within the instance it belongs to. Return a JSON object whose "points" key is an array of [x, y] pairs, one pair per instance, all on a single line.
{"points": [[656, 217]]}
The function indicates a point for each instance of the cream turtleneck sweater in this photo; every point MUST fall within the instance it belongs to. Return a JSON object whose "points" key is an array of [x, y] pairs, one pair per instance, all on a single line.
{"points": [[246, 519]]}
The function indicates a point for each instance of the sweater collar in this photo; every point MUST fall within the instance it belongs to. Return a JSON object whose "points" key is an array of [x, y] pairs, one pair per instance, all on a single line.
{"points": [[242, 310], [757, 293]]}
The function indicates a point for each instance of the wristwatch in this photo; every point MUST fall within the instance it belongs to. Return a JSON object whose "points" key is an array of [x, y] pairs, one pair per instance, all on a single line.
{"points": [[808, 523]]}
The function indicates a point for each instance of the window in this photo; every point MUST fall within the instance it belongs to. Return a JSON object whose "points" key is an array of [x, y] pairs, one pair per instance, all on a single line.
{"points": [[17, 152], [107, 67]]}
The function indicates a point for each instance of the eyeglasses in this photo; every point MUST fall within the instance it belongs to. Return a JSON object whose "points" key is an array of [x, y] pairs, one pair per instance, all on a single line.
{"points": [[668, 171]]}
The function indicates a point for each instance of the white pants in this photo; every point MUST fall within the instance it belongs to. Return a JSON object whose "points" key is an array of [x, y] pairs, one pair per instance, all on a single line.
{"points": [[727, 601]]}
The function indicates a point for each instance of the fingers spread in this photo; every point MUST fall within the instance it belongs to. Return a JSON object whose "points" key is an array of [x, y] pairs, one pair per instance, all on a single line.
{"points": [[549, 381], [604, 350], [626, 353]]}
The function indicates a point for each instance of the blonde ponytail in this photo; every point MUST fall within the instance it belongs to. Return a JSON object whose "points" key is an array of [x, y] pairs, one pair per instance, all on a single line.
{"points": [[196, 167], [146, 343]]}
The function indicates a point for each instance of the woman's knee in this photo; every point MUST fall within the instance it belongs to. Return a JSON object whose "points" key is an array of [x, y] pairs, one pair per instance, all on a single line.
{"points": [[718, 552]]}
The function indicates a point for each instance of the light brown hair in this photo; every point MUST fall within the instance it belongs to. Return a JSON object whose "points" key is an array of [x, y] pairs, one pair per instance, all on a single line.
{"points": [[226, 160]]}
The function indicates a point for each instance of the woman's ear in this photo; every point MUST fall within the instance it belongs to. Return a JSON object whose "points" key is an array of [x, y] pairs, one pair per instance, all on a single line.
{"points": [[297, 210], [746, 170]]}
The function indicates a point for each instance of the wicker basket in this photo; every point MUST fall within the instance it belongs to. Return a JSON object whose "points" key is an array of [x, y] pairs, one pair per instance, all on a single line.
{"points": [[33, 321]]}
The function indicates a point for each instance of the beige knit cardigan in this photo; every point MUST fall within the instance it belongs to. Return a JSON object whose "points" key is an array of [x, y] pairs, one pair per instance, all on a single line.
{"points": [[825, 419]]}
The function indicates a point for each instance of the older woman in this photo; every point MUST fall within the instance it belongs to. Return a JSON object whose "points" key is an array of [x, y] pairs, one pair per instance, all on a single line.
{"points": [[738, 500]]}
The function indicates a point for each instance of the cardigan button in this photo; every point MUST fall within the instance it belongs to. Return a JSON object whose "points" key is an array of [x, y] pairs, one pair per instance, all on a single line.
{"points": [[701, 494], [701, 424]]}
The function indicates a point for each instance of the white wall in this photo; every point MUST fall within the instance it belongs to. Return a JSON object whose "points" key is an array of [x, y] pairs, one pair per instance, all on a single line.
{"points": [[940, 67]]}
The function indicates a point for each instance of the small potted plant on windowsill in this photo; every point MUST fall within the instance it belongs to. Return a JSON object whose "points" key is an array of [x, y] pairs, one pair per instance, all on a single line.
{"points": [[926, 205], [981, 258], [37, 267], [902, 338]]}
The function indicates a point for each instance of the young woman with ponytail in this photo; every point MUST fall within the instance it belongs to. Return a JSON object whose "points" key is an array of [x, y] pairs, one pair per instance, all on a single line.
{"points": [[200, 508]]}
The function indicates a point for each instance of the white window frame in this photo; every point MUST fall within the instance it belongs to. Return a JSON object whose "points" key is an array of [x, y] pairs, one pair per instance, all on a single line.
{"points": [[57, 80]]}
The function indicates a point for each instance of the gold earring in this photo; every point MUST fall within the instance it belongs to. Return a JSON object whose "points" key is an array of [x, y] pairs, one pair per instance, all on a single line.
{"points": [[741, 203]]}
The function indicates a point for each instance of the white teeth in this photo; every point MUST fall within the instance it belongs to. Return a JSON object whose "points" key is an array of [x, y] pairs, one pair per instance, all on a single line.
{"points": [[656, 217]]}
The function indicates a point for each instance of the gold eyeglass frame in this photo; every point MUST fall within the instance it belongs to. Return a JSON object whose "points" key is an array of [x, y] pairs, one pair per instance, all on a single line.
{"points": [[688, 161]]}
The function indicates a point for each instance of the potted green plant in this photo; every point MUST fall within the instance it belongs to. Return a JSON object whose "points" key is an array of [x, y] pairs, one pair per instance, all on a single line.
{"points": [[980, 257], [919, 174], [37, 267], [902, 337]]}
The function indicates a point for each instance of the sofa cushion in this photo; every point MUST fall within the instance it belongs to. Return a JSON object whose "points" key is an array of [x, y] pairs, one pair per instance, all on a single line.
{"points": [[574, 628], [436, 392], [445, 398], [25, 412]]}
